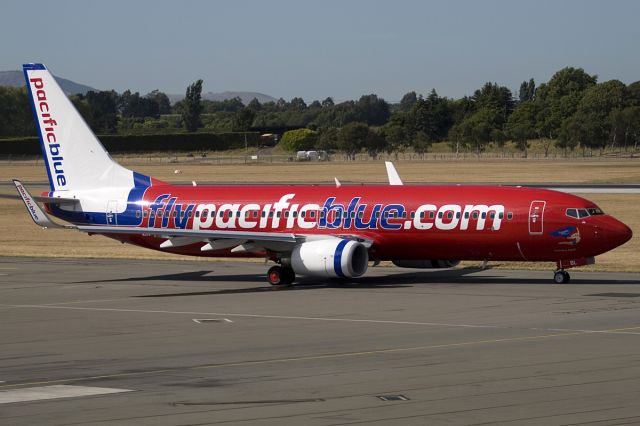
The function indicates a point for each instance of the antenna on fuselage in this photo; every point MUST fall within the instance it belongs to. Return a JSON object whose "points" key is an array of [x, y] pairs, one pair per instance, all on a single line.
{"points": [[338, 184]]}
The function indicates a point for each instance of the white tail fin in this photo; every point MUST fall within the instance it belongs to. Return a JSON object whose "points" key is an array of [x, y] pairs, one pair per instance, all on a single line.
{"points": [[74, 157]]}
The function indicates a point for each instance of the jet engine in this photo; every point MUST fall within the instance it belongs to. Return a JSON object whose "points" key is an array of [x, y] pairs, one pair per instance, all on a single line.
{"points": [[332, 258], [426, 264]]}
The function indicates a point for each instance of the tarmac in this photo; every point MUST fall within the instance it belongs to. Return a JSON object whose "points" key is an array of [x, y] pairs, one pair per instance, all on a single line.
{"points": [[121, 342]]}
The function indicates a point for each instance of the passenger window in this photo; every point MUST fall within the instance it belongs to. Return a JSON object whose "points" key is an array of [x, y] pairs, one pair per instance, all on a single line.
{"points": [[145, 213], [360, 214], [484, 215], [439, 215], [509, 215], [432, 215], [475, 215], [449, 215], [312, 214], [457, 215], [492, 215], [138, 214], [174, 213], [500, 215], [466, 215]]}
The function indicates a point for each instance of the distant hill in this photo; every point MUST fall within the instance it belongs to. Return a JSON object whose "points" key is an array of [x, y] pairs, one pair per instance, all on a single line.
{"points": [[16, 79], [245, 96]]}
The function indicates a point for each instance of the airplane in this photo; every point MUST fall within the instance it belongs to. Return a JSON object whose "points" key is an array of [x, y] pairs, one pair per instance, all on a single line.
{"points": [[310, 230]]}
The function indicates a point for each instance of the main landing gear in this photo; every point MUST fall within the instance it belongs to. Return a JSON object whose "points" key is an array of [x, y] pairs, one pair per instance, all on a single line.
{"points": [[281, 275], [561, 277]]}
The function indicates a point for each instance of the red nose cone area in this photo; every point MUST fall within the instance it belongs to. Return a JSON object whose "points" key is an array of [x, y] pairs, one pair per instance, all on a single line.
{"points": [[618, 233]]}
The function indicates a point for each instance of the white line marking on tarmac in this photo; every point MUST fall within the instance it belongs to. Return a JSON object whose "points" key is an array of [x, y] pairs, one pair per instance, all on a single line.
{"points": [[370, 321], [53, 392], [80, 308], [205, 320]]}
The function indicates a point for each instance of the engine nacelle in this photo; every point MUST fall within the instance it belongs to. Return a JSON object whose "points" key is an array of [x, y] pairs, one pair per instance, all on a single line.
{"points": [[332, 258], [426, 264]]}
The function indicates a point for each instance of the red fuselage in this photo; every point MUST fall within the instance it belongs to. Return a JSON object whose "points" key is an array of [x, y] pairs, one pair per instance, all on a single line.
{"points": [[403, 222]]}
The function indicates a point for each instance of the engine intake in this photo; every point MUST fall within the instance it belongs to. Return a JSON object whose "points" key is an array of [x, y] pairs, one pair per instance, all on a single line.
{"points": [[332, 258], [426, 264]]}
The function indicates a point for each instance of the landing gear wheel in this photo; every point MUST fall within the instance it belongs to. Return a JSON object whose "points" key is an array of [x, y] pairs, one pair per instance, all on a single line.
{"points": [[274, 275], [561, 277], [277, 275], [289, 275]]}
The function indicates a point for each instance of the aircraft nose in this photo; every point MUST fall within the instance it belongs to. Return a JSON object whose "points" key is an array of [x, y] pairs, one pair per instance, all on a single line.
{"points": [[617, 232]]}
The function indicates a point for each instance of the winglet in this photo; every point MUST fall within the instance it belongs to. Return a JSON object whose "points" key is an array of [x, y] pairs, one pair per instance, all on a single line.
{"points": [[394, 178], [37, 214]]}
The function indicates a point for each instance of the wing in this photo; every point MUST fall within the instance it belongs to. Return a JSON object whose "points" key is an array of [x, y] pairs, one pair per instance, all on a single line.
{"points": [[213, 239]]}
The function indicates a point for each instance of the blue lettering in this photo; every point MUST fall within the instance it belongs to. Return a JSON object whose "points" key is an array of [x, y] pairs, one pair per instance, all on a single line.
{"points": [[360, 224], [326, 209], [397, 209], [181, 220], [167, 212]]}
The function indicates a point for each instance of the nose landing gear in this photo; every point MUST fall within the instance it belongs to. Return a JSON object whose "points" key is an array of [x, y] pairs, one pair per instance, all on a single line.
{"points": [[561, 277]]}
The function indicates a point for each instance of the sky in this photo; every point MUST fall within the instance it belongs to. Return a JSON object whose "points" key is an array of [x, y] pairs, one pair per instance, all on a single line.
{"points": [[316, 49]]}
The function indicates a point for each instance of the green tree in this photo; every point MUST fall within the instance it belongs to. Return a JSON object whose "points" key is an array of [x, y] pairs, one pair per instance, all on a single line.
{"points": [[161, 99], [298, 140], [432, 116], [192, 107], [593, 115], [625, 124], [104, 111], [375, 143], [421, 143], [242, 120], [520, 126], [407, 102], [477, 129], [352, 138], [527, 91], [328, 139], [16, 117], [372, 110], [397, 137]]}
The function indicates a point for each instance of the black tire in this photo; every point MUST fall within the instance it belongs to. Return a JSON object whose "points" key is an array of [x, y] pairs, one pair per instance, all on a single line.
{"points": [[561, 277], [275, 275], [289, 276]]}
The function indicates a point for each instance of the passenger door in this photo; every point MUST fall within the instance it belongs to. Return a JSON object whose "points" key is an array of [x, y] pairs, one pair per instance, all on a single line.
{"points": [[536, 217]]}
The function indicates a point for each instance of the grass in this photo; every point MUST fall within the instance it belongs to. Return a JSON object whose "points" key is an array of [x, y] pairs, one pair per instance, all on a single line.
{"points": [[20, 237]]}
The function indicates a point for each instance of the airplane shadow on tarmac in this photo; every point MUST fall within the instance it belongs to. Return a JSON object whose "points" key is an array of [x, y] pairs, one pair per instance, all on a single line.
{"points": [[392, 281]]}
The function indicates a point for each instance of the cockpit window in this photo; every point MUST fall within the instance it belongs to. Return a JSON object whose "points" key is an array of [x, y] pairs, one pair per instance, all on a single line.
{"points": [[581, 213]]}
